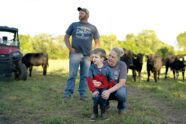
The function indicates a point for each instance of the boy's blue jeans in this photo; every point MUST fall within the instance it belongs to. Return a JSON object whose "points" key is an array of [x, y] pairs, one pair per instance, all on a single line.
{"points": [[76, 60], [98, 100]]}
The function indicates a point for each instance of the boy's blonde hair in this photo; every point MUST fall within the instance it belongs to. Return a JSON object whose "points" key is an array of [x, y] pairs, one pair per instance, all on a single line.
{"points": [[101, 52]]}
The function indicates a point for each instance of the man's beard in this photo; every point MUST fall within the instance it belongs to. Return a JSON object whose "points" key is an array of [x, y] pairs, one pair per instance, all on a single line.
{"points": [[82, 18]]}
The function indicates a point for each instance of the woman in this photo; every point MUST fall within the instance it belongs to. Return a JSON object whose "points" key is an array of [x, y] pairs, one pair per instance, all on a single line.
{"points": [[118, 91]]}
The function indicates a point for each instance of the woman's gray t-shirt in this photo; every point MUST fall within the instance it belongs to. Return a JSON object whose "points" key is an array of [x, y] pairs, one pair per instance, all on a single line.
{"points": [[119, 71]]}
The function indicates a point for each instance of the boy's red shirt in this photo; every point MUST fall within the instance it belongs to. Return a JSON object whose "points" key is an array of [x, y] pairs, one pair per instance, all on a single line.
{"points": [[104, 82]]}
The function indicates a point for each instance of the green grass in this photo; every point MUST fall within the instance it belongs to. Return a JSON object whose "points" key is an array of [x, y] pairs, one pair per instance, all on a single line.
{"points": [[172, 90], [40, 100]]}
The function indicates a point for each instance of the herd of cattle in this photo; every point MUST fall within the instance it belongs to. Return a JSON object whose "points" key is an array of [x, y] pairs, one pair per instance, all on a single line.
{"points": [[154, 64], [133, 62]]}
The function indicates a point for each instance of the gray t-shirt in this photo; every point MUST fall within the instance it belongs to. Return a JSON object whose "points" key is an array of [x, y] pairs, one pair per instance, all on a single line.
{"points": [[82, 36], [120, 71]]}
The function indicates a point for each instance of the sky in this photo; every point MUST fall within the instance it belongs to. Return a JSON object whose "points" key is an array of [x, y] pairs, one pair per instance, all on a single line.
{"points": [[120, 17]]}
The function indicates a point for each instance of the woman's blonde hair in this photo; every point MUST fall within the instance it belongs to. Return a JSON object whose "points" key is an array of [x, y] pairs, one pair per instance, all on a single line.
{"points": [[118, 51]]}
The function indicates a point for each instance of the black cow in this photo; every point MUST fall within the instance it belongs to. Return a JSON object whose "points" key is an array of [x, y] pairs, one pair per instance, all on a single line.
{"points": [[169, 60], [133, 62], [154, 64], [128, 58], [175, 64], [36, 59], [138, 64]]}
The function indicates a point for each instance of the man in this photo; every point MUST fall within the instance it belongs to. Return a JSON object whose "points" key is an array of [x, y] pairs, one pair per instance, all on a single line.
{"points": [[82, 33]]}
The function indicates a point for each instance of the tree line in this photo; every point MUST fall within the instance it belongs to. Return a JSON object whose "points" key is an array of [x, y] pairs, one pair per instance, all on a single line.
{"points": [[145, 42]]}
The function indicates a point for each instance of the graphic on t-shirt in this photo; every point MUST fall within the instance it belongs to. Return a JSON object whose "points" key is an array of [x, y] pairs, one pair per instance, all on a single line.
{"points": [[116, 74], [83, 32]]}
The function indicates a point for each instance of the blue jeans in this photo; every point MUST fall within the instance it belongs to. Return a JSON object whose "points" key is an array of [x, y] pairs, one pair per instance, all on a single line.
{"points": [[76, 60], [98, 100], [121, 96]]}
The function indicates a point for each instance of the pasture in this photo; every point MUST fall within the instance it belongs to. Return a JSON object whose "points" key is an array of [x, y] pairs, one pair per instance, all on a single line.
{"points": [[39, 100]]}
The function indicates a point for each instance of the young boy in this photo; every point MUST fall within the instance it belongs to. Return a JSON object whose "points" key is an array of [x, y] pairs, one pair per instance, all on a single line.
{"points": [[99, 71]]}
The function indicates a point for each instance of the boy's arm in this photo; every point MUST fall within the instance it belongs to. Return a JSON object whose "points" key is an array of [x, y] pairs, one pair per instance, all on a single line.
{"points": [[90, 79], [103, 79], [90, 84], [111, 84]]}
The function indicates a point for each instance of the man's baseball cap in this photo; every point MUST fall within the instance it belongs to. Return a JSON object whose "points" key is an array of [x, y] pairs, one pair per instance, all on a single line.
{"points": [[83, 9]]}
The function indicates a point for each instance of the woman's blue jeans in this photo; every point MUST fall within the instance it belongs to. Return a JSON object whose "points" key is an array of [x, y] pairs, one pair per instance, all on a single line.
{"points": [[121, 96], [77, 60]]}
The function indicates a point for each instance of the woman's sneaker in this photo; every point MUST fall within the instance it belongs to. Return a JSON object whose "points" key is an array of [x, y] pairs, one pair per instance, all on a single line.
{"points": [[121, 111]]}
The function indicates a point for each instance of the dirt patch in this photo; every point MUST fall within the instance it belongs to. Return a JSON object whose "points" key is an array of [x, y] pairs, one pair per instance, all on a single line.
{"points": [[168, 111]]}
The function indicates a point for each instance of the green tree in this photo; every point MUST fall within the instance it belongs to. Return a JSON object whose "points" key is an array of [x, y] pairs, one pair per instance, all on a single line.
{"points": [[41, 42], [26, 43], [108, 42], [149, 40], [145, 42], [165, 51], [181, 38]]}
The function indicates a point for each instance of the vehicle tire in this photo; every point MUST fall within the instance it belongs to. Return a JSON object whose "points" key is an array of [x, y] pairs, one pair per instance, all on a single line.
{"points": [[21, 73]]}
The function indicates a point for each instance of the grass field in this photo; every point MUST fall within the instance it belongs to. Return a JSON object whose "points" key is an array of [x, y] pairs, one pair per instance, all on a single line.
{"points": [[39, 100]]}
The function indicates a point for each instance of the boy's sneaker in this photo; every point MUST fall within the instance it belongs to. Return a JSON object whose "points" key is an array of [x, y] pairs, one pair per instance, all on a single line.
{"points": [[107, 107], [93, 117], [104, 116]]}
